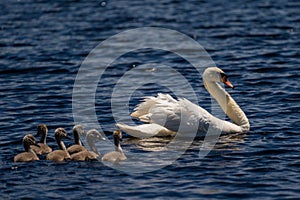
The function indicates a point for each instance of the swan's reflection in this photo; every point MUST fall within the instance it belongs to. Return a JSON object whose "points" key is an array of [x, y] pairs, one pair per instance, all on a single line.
{"points": [[150, 144], [225, 142], [150, 154], [153, 144]]}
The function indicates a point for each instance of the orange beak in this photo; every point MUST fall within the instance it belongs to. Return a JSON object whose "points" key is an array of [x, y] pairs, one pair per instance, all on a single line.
{"points": [[227, 82]]}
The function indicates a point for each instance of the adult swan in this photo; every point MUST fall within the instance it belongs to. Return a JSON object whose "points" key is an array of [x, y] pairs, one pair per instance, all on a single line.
{"points": [[164, 115]]}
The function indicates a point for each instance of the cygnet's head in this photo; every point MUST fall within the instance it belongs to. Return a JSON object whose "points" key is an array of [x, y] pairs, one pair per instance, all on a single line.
{"points": [[60, 133], [78, 129], [28, 140], [117, 134], [42, 130], [117, 137], [93, 135]]}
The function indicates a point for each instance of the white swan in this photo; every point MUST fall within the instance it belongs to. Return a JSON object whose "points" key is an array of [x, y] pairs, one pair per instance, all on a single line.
{"points": [[166, 115]]}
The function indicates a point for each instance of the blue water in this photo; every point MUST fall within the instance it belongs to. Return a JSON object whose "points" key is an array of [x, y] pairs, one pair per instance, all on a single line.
{"points": [[43, 44]]}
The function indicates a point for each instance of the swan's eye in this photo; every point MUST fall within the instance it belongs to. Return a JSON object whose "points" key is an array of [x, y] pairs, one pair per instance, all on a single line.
{"points": [[223, 77], [223, 74]]}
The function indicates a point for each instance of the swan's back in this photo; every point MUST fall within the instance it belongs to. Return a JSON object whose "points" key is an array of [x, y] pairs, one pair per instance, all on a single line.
{"points": [[144, 108], [173, 115]]}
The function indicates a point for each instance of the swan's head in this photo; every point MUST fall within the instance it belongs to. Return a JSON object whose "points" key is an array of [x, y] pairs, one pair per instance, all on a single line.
{"points": [[42, 130], [215, 74], [60, 133]]}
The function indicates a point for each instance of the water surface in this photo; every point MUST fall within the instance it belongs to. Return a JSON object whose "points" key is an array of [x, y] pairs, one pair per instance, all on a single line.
{"points": [[256, 43]]}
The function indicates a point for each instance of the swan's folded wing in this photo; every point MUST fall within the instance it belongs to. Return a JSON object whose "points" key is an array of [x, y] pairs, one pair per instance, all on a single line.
{"points": [[149, 103], [181, 116], [175, 115], [144, 107]]}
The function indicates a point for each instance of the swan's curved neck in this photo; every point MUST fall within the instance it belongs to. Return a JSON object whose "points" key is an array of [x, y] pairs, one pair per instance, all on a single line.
{"points": [[228, 105], [92, 145]]}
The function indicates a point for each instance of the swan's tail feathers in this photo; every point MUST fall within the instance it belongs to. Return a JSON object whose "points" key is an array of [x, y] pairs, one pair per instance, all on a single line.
{"points": [[145, 118], [145, 130], [144, 108]]}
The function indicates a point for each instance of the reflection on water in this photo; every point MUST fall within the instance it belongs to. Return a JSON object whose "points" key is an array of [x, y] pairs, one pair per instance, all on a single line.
{"points": [[150, 144], [225, 142]]}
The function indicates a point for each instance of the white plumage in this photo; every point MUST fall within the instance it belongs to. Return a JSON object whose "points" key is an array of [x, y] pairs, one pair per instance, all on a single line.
{"points": [[166, 116]]}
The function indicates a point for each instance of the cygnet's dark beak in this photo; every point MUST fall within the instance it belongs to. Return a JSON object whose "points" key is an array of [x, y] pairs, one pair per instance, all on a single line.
{"points": [[101, 136], [35, 144]]}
